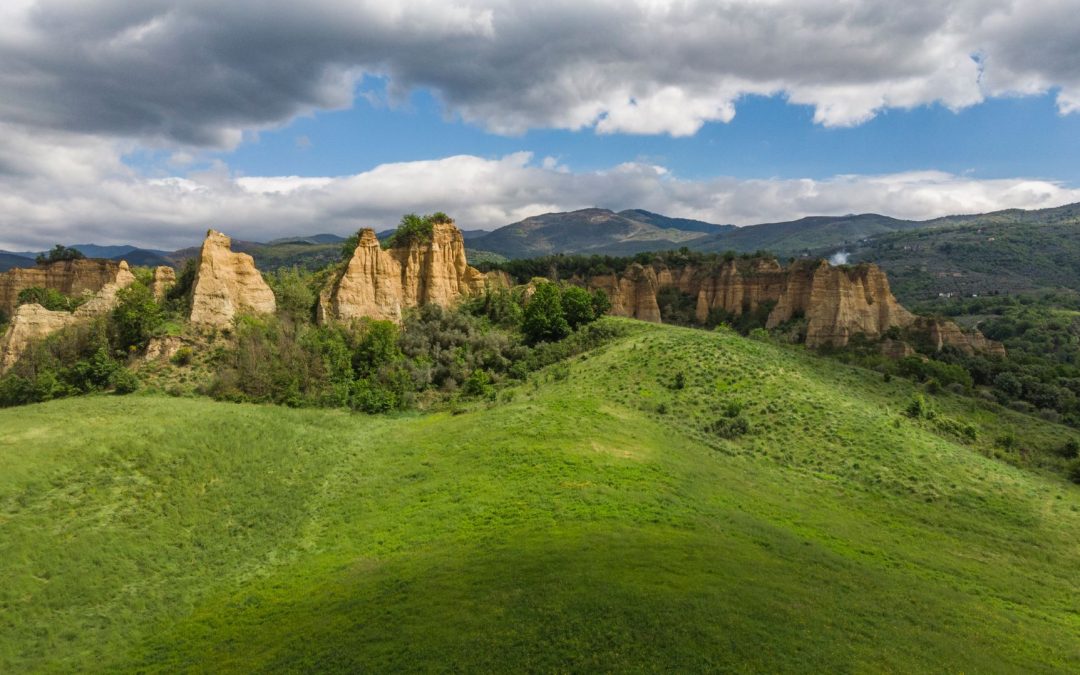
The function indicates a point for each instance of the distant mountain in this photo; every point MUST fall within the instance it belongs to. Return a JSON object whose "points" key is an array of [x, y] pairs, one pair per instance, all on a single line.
{"points": [[804, 236], [12, 260], [668, 223], [313, 239], [593, 231]]}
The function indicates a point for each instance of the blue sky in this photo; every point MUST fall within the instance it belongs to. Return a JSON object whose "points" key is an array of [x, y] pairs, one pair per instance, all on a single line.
{"points": [[150, 122], [769, 137]]}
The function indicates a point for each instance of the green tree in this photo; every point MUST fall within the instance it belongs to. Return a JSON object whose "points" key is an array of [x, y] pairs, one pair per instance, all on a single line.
{"points": [[577, 306], [600, 302], [544, 318], [136, 316], [59, 253]]}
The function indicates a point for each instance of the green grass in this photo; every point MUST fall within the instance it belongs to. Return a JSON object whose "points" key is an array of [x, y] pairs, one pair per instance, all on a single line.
{"points": [[572, 527]]}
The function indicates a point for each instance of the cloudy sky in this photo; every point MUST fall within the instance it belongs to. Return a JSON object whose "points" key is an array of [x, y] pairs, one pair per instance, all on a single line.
{"points": [[148, 122]]}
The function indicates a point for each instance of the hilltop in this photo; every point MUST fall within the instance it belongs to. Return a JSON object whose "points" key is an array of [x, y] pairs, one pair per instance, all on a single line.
{"points": [[598, 515]]}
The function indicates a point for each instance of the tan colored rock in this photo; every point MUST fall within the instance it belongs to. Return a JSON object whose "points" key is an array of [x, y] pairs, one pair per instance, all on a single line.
{"points": [[71, 277], [32, 322], [632, 294], [164, 279], [739, 286], [895, 349], [164, 348], [227, 284], [942, 333], [840, 302], [381, 284]]}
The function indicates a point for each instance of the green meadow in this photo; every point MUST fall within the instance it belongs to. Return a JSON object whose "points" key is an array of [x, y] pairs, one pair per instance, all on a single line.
{"points": [[607, 514]]}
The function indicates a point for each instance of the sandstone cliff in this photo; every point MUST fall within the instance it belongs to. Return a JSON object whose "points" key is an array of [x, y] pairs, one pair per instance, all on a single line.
{"points": [[836, 302], [227, 284], [839, 302], [381, 284], [32, 322], [71, 277]]}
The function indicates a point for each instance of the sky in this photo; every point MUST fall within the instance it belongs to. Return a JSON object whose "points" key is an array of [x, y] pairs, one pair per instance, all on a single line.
{"points": [[150, 122]]}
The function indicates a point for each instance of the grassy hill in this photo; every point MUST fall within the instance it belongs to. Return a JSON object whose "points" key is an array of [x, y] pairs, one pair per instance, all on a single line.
{"points": [[593, 231], [591, 519]]}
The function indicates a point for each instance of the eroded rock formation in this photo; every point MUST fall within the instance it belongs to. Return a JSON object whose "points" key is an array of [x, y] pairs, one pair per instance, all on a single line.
{"points": [[381, 283], [836, 302], [73, 278], [164, 279], [227, 284], [32, 322]]}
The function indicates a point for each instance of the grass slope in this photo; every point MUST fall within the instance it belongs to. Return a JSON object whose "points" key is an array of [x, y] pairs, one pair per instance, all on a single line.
{"points": [[577, 526]]}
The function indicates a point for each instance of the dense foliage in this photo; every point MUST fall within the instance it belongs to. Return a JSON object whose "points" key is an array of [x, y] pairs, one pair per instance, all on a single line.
{"points": [[49, 298], [562, 267], [377, 366], [59, 253]]}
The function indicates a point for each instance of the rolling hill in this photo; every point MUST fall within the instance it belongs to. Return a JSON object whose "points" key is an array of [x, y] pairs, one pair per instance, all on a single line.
{"points": [[591, 519], [593, 231]]}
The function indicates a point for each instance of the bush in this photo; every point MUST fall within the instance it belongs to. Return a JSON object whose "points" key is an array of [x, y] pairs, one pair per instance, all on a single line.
{"points": [[49, 298], [415, 229], [125, 382], [577, 305], [730, 427], [135, 319], [918, 408], [294, 294], [182, 357], [478, 385], [544, 319]]}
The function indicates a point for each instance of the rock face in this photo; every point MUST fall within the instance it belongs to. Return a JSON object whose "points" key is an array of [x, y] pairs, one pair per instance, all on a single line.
{"points": [[632, 294], [164, 279], [381, 284], [837, 302], [70, 277], [227, 284], [942, 333], [32, 322]]}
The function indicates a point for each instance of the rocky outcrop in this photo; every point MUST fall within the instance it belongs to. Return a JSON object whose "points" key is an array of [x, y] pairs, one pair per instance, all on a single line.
{"points": [[381, 283], [73, 278], [942, 333], [32, 322], [164, 279], [227, 284], [632, 294], [839, 302]]}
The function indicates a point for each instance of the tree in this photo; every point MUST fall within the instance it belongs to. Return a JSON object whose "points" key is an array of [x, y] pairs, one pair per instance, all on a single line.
{"points": [[577, 306], [135, 318], [544, 318], [59, 253], [600, 302]]}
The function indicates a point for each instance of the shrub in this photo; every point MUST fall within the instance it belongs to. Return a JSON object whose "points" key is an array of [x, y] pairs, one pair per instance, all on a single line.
{"points": [[478, 385], [917, 407], [730, 427], [294, 295], [182, 357], [544, 320], [135, 318], [680, 381], [577, 306], [415, 229], [49, 298], [124, 382], [600, 302]]}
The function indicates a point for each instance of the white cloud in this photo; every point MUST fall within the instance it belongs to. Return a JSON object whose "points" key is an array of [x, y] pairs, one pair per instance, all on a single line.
{"points": [[202, 72], [170, 212]]}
